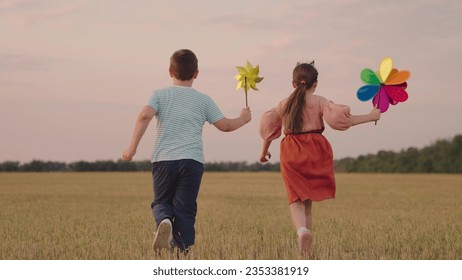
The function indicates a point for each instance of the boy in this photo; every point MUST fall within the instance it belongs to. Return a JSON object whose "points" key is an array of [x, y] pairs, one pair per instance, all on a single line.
{"points": [[177, 158]]}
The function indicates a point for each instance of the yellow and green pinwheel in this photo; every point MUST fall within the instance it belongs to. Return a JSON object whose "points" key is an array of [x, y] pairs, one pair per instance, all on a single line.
{"points": [[247, 78]]}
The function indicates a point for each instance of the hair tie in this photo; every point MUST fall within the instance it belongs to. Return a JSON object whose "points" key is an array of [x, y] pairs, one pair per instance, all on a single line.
{"points": [[303, 82]]}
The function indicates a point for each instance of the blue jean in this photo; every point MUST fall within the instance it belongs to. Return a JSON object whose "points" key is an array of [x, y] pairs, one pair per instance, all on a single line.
{"points": [[176, 187]]}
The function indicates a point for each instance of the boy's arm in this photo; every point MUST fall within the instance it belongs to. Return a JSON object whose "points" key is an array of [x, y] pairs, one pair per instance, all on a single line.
{"points": [[227, 125], [141, 124]]}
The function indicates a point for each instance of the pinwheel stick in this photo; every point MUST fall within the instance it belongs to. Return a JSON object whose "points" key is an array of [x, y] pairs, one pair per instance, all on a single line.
{"points": [[245, 90], [377, 106]]}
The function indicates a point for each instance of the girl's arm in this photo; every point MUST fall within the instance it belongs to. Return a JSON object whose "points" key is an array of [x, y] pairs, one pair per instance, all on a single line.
{"points": [[265, 154], [373, 115], [270, 129], [142, 122]]}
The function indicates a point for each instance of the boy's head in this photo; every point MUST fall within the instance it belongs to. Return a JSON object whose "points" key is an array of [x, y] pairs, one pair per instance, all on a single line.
{"points": [[183, 65]]}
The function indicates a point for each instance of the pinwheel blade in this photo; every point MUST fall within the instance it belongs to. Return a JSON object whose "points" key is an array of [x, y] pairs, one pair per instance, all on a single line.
{"points": [[381, 100], [398, 77], [369, 77], [393, 72], [396, 93], [367, 92], [403, 85], [240, 84], [258, 79], [242, 71], [253, 85], [248, 65], [385, 68]]}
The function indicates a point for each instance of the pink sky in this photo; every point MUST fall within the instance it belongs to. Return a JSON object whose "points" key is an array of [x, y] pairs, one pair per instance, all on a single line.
{"points": [[74, 74]]}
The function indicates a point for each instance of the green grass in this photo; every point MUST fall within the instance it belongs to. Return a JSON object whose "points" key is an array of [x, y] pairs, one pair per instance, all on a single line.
{"points": [[241, 216]]}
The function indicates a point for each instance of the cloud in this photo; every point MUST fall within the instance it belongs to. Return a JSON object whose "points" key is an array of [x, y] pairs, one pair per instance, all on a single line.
{"points": [[22, 14], [8, 4], [19, 62], [22, 20]]}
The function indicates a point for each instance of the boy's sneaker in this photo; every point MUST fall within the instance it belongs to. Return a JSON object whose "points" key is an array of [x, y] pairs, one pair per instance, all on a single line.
{"points": [[304, 243], [163, 237]]}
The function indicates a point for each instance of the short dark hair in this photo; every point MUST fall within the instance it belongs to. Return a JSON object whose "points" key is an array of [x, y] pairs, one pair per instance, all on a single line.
{"points": [[183, 64]]}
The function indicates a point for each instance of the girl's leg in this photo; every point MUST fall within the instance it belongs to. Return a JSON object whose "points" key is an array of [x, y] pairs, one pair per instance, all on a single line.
{"points": [[308, 219], [297, 212], [301, 218], [301, 214]]}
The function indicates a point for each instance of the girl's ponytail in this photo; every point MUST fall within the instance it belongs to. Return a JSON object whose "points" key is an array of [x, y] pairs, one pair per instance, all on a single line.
{"points": [[304, 77]]}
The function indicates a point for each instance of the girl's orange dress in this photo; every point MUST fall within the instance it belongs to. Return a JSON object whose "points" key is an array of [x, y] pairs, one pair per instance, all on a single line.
{"points": [[307, 165]]}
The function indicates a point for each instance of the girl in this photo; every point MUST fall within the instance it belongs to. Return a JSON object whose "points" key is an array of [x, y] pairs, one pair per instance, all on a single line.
{"points": [[306, 156]]}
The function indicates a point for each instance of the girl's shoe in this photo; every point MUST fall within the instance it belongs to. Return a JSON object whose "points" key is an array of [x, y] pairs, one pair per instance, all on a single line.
{"points": [[163, 237], [304, 243]]}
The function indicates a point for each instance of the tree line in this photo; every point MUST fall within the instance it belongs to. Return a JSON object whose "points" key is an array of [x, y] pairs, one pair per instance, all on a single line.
{"points": [[443, 156], [121, 166]]}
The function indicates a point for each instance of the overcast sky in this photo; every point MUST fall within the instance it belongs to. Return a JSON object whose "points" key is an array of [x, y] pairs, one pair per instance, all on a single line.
{"points": [[74, 74]]}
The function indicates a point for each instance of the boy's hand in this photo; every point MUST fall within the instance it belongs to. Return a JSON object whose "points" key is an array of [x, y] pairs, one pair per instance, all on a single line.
{"points": [[227, 125], [128, 154], [245, 114]]}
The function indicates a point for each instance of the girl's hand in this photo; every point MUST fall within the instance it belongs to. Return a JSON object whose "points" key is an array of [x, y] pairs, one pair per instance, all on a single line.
{"points": [[375, 114], [265, 157]]}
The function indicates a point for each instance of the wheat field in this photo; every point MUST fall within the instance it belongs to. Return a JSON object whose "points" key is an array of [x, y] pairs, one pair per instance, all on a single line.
{"points": [[93, 216]]}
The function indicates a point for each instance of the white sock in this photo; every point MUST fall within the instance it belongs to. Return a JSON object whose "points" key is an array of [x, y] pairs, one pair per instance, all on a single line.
{"points": [[302, 230]]}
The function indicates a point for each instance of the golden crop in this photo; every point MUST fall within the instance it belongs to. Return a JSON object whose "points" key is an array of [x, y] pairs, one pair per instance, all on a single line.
{"points": [[241, 216]]}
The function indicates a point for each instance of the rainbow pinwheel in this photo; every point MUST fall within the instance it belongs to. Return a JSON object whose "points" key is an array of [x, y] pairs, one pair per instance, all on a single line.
{"points": [[247, 78], [387, 86]]}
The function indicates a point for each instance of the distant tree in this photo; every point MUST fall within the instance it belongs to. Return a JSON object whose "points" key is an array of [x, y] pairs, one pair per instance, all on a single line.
{"points": [[34, 166], [80, 166], [455, 150], [42, 166], [9, 166], [407, 160], [442, 156]]}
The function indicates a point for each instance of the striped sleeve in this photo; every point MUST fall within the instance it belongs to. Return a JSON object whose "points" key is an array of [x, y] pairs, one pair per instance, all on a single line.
{"points": [[213, 113], [154, 101]]}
